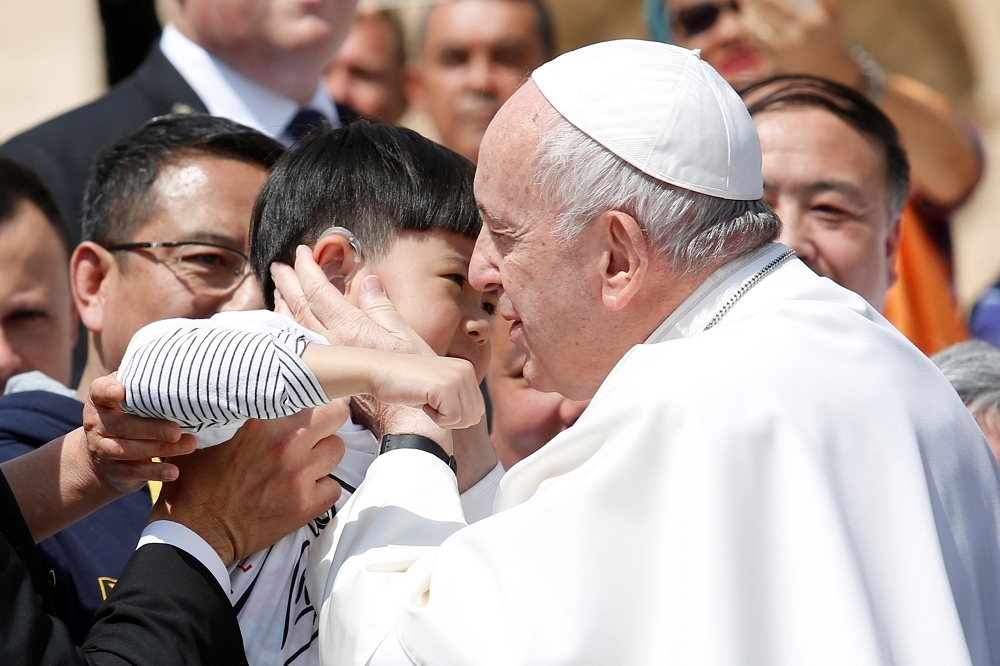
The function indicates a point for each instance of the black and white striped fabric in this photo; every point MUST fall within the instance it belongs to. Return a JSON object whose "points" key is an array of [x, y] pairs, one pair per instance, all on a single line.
{"points": [[214, 374]]}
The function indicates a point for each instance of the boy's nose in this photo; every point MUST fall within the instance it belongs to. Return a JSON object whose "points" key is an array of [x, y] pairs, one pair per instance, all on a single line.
{"points": [[478, 328]]}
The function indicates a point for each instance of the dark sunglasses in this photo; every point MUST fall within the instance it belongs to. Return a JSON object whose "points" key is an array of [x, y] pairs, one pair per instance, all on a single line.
{"points": [[699, 18]]}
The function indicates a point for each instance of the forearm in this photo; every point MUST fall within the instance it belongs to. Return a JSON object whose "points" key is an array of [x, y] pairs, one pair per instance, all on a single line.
{"points": [[345, 371], [198, 376], [56, 485], [944, 163]]}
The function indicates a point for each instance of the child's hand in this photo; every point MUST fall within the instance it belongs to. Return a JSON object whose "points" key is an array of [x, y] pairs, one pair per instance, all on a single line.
{"points": [[445, 387]]}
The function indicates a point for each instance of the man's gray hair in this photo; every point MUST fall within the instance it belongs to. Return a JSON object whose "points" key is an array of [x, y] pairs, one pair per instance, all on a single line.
{"points": [[580, 180], [973, 368]]}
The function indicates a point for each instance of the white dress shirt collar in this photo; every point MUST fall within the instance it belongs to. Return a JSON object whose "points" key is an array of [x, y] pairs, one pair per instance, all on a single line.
{"points": [[228, 94]]}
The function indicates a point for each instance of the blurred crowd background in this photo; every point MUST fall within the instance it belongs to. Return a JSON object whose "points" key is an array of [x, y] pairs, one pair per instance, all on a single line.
{"points": [[54, 57]]}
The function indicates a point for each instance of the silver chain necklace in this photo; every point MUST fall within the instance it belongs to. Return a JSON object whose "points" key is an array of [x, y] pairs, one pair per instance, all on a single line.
{"points": [[747, 285]]}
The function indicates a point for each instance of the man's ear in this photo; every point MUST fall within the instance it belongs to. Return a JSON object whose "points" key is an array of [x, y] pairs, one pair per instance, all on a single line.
{"points": [[414, 87], [625, 259], [892, 249], [74, 322], [337, 258], [89, 268]]}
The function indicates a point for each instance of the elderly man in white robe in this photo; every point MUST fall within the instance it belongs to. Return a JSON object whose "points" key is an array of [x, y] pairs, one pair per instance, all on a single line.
{"points": [[767, 473]]}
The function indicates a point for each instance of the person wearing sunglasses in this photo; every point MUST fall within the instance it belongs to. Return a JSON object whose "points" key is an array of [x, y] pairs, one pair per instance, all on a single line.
{"points": [[748, 41]]}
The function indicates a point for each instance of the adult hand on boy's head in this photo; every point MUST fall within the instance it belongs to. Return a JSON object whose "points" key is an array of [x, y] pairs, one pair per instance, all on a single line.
{"points": [[306, 294], [122, 446], [266, 482]]}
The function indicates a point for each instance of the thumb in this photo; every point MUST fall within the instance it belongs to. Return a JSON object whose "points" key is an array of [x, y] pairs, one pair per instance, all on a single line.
{"points": [[373, 300], [107, 391]]}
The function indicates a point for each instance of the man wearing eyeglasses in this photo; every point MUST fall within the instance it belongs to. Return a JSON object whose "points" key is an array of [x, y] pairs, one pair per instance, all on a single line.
{"points": [[750, 40], [166, 227]]}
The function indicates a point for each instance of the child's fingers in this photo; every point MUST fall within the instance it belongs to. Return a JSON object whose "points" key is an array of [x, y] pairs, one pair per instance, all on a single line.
{"points": [[458, 402]]}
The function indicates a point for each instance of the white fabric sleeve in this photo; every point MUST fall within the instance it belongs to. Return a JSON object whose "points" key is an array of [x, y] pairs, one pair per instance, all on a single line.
{"points": [[215, 373], [179, 536], [406, 506], [477, 501], [390, 653]]}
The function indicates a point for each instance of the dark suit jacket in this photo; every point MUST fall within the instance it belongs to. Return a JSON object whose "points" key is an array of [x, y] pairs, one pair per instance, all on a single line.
{"points": [[62, 149], [83, 561], [166, 609]]}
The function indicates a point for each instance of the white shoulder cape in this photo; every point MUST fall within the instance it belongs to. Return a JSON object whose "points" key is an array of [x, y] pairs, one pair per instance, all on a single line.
{"points": [[798, 485]]}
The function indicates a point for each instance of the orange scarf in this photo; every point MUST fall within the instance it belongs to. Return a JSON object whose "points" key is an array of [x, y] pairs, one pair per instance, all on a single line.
{"points": [[921, 304]]}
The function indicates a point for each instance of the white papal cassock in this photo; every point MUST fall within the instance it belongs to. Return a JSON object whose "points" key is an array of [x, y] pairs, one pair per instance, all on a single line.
{"points": [[797, 485]]}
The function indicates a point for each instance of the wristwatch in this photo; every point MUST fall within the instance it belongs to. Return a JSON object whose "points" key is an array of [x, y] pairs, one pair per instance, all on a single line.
{"points": [[418, 442]]}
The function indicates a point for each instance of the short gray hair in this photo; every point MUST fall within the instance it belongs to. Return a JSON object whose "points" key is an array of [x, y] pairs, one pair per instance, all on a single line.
{"points": [[581, 179], [973, 368]]}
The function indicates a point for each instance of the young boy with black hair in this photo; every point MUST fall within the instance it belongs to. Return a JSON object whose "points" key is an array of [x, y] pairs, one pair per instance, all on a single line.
{"points": [[369, 200]]}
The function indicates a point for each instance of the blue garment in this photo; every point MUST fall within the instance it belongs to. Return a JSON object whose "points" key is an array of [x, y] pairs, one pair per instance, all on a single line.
{"points": [[984, 322], [84, 560]]}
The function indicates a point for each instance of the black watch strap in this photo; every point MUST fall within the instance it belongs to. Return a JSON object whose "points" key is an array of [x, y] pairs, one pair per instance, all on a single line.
{"points": [[419, 442]]}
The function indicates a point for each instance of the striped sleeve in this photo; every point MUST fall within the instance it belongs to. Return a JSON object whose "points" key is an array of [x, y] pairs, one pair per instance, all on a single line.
{"points": [[202, 376]]}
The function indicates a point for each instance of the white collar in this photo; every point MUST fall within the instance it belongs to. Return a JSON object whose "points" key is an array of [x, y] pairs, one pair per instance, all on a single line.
{"points": [[694, 313], [228, 94]]}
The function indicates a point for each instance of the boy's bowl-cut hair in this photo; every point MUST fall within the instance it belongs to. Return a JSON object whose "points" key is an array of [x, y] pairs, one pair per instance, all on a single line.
{"points": [[376, 180]]}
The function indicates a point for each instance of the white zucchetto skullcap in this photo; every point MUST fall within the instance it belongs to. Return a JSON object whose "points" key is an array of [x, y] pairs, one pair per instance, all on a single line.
{"points": [[663, 110]]}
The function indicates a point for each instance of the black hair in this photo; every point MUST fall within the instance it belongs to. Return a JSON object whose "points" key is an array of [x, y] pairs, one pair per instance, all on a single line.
{"points": [[375, 180], [18, 183], [118, 198], [544, 27], [782, 92]]}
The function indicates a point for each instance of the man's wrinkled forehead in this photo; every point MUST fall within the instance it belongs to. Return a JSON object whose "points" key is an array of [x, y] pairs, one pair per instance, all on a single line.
{"points": [[508, 149]]}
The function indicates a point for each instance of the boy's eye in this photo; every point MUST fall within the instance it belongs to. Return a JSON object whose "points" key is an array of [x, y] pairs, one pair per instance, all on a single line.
{"points": [[457, 279], [490, 308]]}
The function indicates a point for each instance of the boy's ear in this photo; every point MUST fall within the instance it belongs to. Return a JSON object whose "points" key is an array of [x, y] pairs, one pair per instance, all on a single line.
{"points": [[337, 258]]}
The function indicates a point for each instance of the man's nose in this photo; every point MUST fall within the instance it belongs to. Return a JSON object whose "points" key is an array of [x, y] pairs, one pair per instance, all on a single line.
{"points": [[728, 27], [247, 296], [10, 361], [570, 410], [484, 274], [481, 76]]}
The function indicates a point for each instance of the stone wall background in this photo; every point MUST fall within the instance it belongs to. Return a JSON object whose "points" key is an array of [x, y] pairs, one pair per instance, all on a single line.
{"points": [[50, 61]]}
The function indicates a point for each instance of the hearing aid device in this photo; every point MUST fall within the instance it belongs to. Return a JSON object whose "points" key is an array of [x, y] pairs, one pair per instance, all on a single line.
{"points": [[359, 256]]}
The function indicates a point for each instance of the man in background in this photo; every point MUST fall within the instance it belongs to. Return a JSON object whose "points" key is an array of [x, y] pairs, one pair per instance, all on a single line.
{"points": [[369, 73], [973, 368], [752, 40], [473, 55], [257, 62], [37, 318], [836, 175], [166, 227]]}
